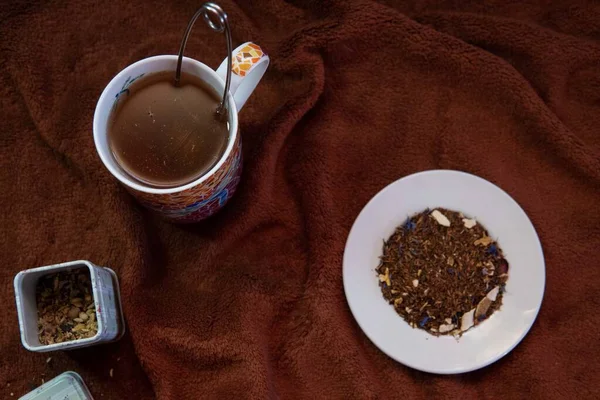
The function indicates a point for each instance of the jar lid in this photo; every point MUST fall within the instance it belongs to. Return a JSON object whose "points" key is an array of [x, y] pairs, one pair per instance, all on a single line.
{"points": [[66, 386]]}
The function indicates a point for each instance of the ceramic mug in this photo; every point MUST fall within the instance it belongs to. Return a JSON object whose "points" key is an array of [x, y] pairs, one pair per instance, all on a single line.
{"points": [[207, 194]]}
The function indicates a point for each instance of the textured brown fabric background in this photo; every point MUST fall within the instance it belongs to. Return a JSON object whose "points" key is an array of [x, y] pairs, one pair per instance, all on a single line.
{"points": [[359, 93]]}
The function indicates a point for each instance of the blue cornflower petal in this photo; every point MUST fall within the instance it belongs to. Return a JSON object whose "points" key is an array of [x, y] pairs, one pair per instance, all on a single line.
{"points": [[493, 250], [423, 321], [409, 225]]}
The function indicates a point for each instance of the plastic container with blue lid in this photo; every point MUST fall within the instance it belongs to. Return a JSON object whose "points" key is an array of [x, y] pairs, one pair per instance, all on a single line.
{"points": [[66, 386]]}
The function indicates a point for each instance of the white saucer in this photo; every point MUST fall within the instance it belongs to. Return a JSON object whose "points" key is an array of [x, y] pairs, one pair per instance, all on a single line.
{"points": [[505, 221]]}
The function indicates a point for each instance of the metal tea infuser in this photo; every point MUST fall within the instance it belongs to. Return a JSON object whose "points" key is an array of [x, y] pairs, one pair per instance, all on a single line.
{"points": [[216, 19]]}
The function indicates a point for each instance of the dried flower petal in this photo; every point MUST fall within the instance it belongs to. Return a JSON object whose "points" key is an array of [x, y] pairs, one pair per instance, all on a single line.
{"points": [[385, 278], [502, 266], [493, 250], [484, 241], [440, 218], [409, 225]]}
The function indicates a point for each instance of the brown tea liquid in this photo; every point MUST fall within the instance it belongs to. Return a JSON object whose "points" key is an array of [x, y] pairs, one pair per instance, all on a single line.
{"points": [[166, 135]]}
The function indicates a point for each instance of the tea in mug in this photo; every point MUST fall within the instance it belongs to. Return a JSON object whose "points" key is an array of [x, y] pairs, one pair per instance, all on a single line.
{"points": [[165, 134]]}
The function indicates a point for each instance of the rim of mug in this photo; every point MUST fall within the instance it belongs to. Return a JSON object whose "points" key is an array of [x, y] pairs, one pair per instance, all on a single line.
{"points": [[233, 128]]}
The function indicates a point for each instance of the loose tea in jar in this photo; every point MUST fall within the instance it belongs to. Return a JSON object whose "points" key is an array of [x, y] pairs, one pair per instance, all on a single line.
{"points": [[66, 308]]}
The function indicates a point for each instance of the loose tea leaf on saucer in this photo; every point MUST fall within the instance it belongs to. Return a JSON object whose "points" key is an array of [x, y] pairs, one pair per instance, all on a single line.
{"points": [[442, 272], [66, 309]]}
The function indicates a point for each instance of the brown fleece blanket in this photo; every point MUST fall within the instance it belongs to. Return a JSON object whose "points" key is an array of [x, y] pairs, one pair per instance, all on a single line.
{"points": [[249, 304]]}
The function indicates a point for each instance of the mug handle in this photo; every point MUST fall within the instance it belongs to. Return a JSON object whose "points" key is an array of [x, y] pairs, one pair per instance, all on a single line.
{"points": [[248, 67]]}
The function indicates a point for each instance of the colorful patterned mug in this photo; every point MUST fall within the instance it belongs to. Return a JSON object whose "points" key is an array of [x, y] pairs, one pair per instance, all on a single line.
{"points": [[204, 196]]}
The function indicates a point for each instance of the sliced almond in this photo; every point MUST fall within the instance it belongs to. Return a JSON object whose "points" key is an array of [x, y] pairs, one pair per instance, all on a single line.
{"points": [[492, 294], [446, 328], [482, 308], [440, 218], [469, 223], [466, 321]]}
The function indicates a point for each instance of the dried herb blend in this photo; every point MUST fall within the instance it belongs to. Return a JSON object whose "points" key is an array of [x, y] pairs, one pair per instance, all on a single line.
{"points": [[65, 305], [442, 272]]}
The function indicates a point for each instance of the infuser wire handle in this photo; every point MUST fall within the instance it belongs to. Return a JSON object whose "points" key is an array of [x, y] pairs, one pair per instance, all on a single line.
{"points": [[216, 19]]}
